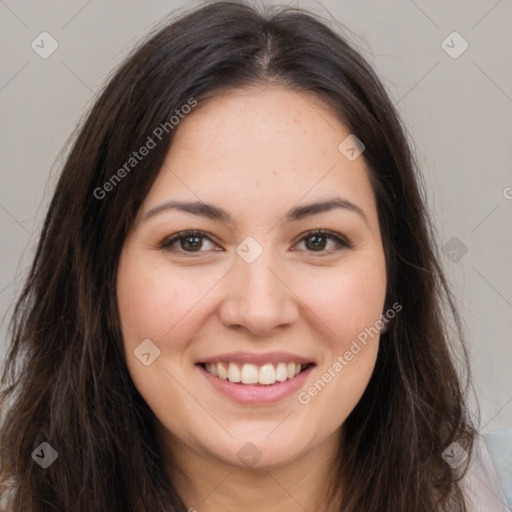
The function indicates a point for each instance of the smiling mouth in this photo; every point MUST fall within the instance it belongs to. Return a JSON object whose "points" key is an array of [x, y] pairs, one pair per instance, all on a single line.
{"points": [[251, 374]]}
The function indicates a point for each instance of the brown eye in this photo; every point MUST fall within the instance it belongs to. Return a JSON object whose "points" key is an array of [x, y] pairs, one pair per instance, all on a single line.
{"points": [[191, 243], [316, 242], [324, 243], [187, 242]]}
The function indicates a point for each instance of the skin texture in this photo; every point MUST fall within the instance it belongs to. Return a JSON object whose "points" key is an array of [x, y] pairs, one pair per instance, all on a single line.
{"points": [[256, 153]]}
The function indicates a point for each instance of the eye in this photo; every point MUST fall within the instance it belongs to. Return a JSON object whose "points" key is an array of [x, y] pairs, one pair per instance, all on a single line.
{"points": [[187, 241], [193, 241], [324, 242]]}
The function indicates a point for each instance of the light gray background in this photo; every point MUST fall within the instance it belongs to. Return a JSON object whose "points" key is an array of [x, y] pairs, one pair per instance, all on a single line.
{"points": [[458, 112]]}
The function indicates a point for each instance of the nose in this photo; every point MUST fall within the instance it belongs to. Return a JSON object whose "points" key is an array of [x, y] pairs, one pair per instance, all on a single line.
{"points": [[258, 299]]}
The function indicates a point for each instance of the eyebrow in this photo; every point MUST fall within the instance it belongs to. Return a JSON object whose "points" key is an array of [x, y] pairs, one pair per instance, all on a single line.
{"points": [[215, 213]]}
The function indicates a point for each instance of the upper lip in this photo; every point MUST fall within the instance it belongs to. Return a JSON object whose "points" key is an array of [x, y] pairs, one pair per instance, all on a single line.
{"points": [[257, 359]]}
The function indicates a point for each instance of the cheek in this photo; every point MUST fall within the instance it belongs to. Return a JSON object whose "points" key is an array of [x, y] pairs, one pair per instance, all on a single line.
{"points": [[162, 304], [154, 303], [150, 306], [155, 300], [350, 303], [347, 302]]}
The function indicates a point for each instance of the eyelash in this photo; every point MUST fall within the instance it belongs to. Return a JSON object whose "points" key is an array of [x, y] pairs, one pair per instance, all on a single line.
{"points": [[167, 243]]}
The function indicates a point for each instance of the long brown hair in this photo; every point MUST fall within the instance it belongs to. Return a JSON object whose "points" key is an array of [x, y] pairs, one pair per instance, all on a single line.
{"points": [[65, 380]]}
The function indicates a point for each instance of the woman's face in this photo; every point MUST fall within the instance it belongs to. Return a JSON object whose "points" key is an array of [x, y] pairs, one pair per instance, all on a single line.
{"points": [[257, 295]]}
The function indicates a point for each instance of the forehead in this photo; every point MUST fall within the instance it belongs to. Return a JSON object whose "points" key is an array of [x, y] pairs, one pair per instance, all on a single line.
{"points": [[271, 121], [261, 145]]}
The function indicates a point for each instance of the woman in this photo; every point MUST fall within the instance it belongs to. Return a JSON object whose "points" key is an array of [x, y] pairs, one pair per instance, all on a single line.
{"points": [[236, 301]]}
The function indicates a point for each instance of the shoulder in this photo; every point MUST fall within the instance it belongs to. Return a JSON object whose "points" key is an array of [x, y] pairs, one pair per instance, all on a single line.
{"points": [[481, 485], [8, 488]]}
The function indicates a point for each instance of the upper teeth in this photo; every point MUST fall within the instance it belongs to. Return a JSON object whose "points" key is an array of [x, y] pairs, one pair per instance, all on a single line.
{"points": [[252, 374]]}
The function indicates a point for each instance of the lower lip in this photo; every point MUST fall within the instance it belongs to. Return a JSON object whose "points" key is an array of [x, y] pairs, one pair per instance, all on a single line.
{"points": [[257, 394]]}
